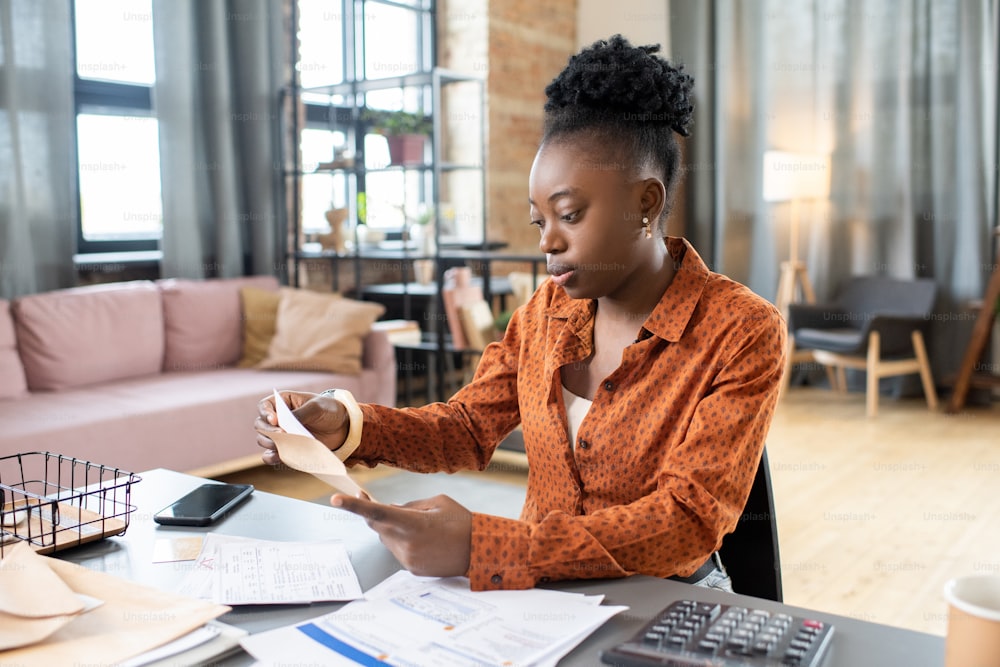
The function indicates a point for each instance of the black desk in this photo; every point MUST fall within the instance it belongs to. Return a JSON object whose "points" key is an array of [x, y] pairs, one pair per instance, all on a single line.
{"points": [[498, 286], [267, 516]]}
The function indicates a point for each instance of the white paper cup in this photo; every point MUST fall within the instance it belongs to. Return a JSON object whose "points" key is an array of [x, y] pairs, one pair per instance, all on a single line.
{"points": [[973, 638]]}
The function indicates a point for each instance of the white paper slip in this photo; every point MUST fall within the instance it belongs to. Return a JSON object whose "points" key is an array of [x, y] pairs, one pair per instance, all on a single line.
{"points": [[300, 450], [286, 419], [250, 571]]}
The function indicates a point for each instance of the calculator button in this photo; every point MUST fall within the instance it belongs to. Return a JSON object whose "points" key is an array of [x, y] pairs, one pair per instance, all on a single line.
{"points": [[793, 656], [709, 610], [707, 646], [809, 623]]}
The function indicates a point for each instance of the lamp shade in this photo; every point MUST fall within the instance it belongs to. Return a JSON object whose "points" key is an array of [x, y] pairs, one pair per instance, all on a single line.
{"points": [[790, 176]]}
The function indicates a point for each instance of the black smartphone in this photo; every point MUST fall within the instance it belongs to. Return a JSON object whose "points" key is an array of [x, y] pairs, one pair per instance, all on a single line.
{"points": [[204, 505]]}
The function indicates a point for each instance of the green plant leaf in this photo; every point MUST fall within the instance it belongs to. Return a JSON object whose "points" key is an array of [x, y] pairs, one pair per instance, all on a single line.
{"points": [[386, 122]]}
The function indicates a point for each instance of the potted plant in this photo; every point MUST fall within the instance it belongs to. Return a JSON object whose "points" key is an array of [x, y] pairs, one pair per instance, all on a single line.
{"points": [[405, 132]]}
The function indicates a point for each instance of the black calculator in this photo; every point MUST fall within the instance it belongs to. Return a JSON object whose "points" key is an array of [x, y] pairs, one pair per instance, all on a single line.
{"points": [[700, 634]]}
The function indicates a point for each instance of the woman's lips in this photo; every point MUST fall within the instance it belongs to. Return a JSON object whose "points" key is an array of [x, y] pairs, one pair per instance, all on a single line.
{"points": [[561, 273]]}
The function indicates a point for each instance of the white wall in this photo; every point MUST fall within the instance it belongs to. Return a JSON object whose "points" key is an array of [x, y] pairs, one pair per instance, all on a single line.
{"points": [[640, 21]]}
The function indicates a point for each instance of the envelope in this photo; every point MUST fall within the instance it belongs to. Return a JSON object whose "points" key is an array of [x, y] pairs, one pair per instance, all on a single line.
{"points": [[34, 601], [131, 620]]}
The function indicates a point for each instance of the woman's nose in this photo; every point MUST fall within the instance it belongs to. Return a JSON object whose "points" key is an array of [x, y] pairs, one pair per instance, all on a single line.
{"points": [[549, 241]]}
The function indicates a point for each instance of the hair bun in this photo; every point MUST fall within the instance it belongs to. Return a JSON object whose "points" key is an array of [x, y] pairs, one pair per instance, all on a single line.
{"points": [[614, 76]]}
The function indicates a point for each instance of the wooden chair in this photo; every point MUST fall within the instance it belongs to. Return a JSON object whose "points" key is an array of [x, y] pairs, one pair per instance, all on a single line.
{"points": [[875, 324], [750, 552]]}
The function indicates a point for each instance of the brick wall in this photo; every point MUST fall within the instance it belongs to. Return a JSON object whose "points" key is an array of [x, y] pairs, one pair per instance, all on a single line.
{"points": [[529, 44], [518, 46]]}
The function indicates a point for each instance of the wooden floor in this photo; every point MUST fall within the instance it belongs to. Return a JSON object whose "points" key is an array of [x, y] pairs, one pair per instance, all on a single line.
{"points": [[874, 515]]}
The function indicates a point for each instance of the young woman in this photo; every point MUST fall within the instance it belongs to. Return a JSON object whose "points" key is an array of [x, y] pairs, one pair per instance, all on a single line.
{"points": [[644, 382]]}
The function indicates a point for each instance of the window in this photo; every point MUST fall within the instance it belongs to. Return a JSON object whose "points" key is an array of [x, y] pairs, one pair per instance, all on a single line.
{"points": [[390, 38], [118, 155]]}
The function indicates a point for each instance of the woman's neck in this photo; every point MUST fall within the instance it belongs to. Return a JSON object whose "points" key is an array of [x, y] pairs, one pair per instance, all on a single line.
{"points": [[640, 294]]}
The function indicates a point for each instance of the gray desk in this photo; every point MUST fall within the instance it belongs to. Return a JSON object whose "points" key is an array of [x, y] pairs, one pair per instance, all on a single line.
{"points": [[267, 516]]}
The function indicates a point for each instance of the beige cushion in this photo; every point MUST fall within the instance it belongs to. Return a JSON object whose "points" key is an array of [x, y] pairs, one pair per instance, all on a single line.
{"points": [[86, 335], [12, 382], [203, 321], [320, 332], [260, 318]]}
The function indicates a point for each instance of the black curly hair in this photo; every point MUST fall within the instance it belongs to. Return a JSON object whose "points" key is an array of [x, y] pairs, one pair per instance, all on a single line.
{"points": [[626, 97]]}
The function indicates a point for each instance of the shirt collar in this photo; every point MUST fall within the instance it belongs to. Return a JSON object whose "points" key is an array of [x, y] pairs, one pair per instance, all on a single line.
{"points": [[671, 315]]}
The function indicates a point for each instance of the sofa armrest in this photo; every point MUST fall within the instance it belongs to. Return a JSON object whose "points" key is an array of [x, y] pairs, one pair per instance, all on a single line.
{"points": [[376, 350], [379, 355]]}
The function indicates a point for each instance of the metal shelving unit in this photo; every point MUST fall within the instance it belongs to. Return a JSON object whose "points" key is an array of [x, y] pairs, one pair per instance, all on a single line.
{"points": [[344, 103]]}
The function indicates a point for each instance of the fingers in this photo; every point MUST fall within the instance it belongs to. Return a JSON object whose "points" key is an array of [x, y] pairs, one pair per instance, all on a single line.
{"points": [[267, 422], [369, 510], [430, 537], [266, 412]]}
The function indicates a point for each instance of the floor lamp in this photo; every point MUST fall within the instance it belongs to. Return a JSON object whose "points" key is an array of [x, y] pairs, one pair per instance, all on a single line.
{"points": [[795, 177]]}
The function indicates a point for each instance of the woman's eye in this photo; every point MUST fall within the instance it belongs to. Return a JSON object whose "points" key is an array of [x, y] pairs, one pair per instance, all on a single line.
{"points": [[569, 217], [537, 223]]}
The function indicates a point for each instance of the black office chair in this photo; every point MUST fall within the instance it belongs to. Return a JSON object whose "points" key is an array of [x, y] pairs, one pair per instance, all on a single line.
{"points": [[750, 552]]}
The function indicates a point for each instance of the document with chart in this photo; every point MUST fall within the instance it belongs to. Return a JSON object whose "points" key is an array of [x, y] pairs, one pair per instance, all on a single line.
{"points": [[421, 621]]}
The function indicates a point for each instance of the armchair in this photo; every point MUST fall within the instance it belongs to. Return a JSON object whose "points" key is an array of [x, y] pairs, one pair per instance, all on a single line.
{"points": [[875, 324]]}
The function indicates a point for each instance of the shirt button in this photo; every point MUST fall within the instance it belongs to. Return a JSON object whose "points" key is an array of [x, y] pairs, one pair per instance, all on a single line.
{"points": [[583, 444], [609, 386], [496, 580]]}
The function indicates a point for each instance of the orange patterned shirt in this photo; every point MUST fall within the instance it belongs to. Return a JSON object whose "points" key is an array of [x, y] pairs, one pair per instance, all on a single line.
{"points": [[665, 457]]}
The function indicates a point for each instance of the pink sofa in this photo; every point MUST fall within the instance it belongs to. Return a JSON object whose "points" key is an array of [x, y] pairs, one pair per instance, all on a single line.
{"points": [[142, 375]]}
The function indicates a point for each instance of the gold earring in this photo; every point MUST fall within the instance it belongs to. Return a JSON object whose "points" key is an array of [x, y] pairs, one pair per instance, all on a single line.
{"points": [[646, 226]]}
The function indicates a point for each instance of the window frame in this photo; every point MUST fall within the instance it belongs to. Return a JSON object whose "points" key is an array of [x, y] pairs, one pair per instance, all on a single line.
{"points": [[320, 116], [111, 98]]}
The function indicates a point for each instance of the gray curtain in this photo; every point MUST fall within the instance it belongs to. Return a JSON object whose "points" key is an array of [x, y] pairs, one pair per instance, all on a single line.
{"points": [[219, 68], [900, 94], [37, 160]]}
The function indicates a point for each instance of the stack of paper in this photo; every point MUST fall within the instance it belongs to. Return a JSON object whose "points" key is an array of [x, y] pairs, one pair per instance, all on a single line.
{"points": [[419, 621], [399, 332], [242, 570]]}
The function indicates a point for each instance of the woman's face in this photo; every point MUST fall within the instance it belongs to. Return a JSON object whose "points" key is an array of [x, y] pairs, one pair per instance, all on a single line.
{"points": [[588, 207]]}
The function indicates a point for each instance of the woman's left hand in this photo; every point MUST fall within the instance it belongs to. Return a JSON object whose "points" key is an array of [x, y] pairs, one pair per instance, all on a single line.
{"points": [[430, 537]]}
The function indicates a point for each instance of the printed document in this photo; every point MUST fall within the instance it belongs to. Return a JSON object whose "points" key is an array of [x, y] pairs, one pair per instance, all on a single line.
{"points": [[244, 570], [430, 622]]}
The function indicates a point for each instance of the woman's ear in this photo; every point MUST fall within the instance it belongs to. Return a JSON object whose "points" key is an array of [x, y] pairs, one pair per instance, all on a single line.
{"points": [[653, 198]]}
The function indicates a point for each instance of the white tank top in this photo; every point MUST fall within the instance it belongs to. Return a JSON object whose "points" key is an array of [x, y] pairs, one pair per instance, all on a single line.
{"points": [[576, 410]]}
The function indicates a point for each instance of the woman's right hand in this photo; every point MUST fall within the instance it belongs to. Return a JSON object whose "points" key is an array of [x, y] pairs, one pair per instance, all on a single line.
{"points": [[325, 418]]}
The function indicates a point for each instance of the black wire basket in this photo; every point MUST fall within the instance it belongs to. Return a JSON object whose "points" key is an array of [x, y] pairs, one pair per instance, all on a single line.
{"points": [[55, 502]]}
